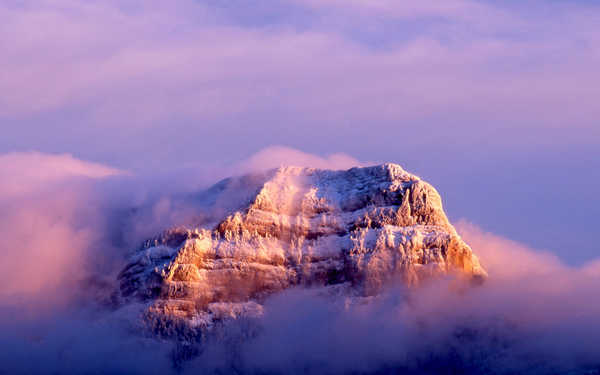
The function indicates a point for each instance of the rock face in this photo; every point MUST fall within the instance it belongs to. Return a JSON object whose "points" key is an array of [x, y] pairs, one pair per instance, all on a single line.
{"points": [[352, 231]]}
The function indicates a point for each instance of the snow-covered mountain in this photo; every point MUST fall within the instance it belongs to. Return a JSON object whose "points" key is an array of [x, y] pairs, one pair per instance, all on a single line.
{"points": [[351, 232]]}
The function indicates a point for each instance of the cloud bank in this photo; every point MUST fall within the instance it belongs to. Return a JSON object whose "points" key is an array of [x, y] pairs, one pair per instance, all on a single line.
{"points": [[49, 218], [287, 68]]}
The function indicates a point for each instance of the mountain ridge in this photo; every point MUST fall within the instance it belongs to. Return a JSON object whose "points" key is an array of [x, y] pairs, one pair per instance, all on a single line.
{"points": [[352, 231]]}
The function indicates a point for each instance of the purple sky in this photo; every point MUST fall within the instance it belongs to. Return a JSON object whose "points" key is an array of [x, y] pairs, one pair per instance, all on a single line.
{"points": [[495, 105]]}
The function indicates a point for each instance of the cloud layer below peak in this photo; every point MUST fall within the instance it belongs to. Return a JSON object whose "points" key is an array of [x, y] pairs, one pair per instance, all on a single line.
{"points": [[63, 242]]}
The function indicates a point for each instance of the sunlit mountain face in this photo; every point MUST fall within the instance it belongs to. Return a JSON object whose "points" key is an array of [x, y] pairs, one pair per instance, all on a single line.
{"points": [[346, 233]]}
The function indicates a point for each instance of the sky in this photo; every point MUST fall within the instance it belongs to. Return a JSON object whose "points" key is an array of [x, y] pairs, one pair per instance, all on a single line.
{"points": [[115, 104], [493, 103]]}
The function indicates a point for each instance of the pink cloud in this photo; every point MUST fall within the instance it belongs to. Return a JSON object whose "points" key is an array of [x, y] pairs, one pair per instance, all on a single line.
{"points": [[277, 156], [23, 173], [49, 219], [507, 259], [138, 74], [534, 286]]}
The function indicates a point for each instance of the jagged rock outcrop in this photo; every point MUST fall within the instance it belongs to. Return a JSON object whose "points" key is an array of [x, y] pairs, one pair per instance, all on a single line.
{"points": [[352, 230]]}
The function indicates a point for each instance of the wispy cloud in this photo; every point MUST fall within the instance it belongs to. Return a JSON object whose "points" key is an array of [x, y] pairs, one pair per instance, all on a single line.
{"points": [[24, 173], [128, 65], [277, 156]]}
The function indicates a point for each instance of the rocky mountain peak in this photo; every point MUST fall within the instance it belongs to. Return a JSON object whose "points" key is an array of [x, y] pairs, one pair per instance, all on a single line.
{"points": [[352, 231]]}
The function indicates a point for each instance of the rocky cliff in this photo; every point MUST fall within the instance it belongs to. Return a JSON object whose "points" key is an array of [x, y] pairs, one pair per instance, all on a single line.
{"points": [[349, 231]]}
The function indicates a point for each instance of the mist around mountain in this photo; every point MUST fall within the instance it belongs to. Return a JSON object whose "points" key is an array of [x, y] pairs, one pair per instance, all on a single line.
{"points": [[66, 233]]}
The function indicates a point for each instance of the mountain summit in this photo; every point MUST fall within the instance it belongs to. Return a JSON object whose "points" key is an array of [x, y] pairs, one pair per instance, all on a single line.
{"points": [[351, 232]]}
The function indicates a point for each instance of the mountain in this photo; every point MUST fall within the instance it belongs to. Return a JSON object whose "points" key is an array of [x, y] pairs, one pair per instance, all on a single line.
{"points": [[350, 232]]}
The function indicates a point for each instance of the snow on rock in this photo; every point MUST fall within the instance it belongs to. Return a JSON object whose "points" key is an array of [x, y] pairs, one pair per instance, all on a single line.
{"points": [[356, 230]]}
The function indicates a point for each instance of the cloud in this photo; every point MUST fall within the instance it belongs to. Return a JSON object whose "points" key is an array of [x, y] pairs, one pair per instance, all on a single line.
{"points": [[49, 217], [61, 245], [536, 286], [76, 342], [23, 173], [476, 14], [497, 251], [215, 68], [277, 156]]}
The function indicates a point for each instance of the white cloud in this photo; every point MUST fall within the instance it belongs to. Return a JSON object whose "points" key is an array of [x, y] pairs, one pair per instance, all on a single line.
{"points": [[25, 172], [277, 156]]}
